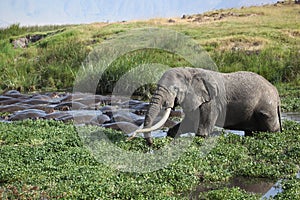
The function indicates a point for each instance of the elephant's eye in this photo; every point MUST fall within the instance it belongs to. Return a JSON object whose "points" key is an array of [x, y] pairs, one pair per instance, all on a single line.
{"points": [[164, 104], [176, 89]]}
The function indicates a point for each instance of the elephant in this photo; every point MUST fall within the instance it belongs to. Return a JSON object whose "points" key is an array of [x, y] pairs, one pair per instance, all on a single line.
{"points": [[240, 100]]}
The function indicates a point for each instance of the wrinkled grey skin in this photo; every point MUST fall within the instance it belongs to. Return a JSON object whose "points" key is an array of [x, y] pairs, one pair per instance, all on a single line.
{"points": [[237, 101]]}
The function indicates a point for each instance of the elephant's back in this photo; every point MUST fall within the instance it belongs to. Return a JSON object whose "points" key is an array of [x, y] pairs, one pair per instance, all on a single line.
{"points": [[248, 86]]}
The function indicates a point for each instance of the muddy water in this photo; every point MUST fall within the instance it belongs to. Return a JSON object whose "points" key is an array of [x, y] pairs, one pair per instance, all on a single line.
{"points": [[295, 116], [276, 189], [251, 185]]}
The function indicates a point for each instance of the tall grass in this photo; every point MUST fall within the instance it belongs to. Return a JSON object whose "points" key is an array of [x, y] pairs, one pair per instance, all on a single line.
{"points": [[121, 66], [16, 29], [49, 64], [275, 64]]}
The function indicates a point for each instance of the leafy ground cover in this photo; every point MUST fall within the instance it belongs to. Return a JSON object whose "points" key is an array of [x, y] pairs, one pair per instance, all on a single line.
{"points": [[290, 97], [47, 159]]}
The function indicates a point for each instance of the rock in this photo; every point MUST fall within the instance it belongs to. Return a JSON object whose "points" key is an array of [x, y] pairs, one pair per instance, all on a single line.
{"points": [[46, 108], [86, 101], [142, 106], [101, 119], [24, 41], [41, 97], [67, 98], [126, 116], [13, 108], [15, 94], [108, 110], [69, 106], [10, 101], [20, 42], [104, 100], [125, 127], [2, 98], [83, 118], [12, 92], [66, 118], [53, 95], [56, 115], [171, 21], [35, 38], [130, 103], [35, 102], [28, 114]]}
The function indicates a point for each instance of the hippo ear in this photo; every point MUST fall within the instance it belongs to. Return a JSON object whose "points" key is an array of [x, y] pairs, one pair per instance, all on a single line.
{"points": [[203, 88]]}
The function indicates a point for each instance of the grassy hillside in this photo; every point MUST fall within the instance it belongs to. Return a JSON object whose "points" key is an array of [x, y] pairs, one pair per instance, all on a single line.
{"points": [[261, 39]]}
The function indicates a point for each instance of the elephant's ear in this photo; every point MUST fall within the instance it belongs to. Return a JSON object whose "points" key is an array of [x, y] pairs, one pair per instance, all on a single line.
{"points": [[203, 88]]}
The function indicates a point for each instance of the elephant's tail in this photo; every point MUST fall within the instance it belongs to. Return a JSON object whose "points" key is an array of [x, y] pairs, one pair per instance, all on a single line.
{"points": [[279, 117]]}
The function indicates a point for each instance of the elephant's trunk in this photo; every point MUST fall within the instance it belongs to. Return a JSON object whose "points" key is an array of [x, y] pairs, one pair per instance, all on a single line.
{"points": [[156, 104]]}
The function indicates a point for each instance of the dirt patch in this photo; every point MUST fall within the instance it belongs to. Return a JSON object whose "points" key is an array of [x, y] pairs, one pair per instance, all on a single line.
{"points": [[208, 17], [216, 16], [293, 33], [250, 45]]}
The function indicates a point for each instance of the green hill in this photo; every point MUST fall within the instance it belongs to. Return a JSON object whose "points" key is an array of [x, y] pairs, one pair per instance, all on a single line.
{"points": [[262, 39]]}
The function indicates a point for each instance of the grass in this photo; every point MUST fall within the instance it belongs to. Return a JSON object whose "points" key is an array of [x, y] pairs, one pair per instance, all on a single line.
{"points": [[290, 97], [47, 159], [261, 39]]}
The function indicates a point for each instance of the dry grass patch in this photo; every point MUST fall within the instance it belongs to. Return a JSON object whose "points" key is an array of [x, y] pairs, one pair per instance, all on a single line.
{"points": [[238, 43]]}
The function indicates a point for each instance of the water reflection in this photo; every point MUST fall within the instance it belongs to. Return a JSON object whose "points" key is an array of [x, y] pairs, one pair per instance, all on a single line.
{"points": [[251, 185], [294, 116]]}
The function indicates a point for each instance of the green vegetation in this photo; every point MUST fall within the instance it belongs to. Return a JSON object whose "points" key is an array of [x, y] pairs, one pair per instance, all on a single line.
{"points": [[290, 97], [261, 39], [48, 159]]}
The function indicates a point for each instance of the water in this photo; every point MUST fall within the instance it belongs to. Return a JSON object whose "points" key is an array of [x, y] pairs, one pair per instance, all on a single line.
{"points": [[276, 189], [251, 185], [294, 116]]}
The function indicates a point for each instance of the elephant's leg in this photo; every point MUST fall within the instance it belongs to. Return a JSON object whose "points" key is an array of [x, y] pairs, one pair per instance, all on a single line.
{"points": [[172, 132], [267, 118], [208, 118], [248, 133], [186, 126]]}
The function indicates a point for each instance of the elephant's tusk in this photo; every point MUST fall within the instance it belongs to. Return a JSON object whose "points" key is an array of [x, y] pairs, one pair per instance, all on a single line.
{"points": [[155, 127]]}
